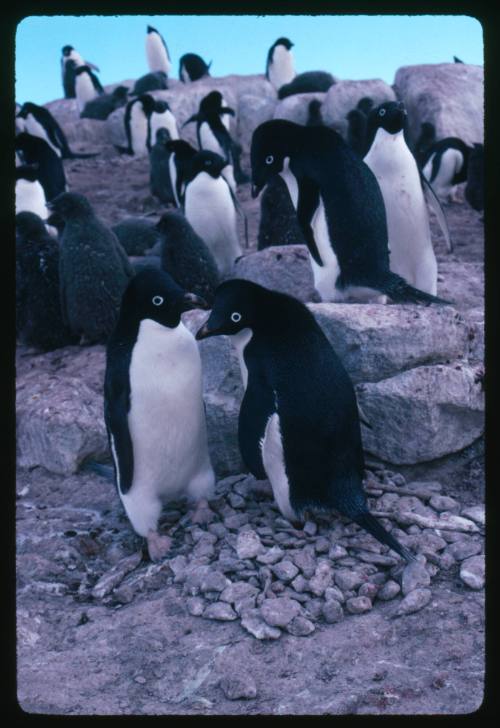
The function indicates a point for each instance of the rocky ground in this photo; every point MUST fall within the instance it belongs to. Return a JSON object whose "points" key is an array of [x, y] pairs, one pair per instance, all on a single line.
{"points": [[248, 614]]}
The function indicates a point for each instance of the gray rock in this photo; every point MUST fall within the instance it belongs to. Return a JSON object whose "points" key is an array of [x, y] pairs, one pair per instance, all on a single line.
{"points": [[414, 575], [344, 96], [322, 545], [214, 581], [333, 592], [449, 95], [233, 523], [314, 609], [300, 584], [279, 612], [300, 627], [332, 611], [237, 591], [413, 602], [446, 561], [388, 591], [253, 110], [322, 579], [429, 411], [444, 503], [195, 606], [368, 590], [115, 575], [285, 571], [348, 580], [253, 623], [244, 605], [238, 687], [220, 611], [296, 108], [248, 545], [284, 268], [271, 556], [305, 561], [472, 572], [310, 528], [358, 605], [337, 552], [475, 513]]}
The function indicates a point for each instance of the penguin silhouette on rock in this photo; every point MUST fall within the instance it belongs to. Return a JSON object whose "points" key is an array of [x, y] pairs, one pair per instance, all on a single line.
{"points": [[279, 64], [412, 255], [157, 54], [192, 67], [342, 215], [153, 406], [298, 423], [93, 269], [209, 206], [213, 134]]}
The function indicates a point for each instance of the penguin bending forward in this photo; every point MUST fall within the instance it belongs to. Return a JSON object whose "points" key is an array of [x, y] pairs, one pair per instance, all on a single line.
{"points": [[342, 215], [192, 67], [298, 422], [445, 167], [153, 405], [40, 122]]}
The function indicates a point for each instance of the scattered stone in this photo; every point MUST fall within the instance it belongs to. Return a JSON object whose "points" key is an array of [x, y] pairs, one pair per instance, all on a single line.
{"points": [[305, 561], [322, 545], [379, 559], [475, 513], [347, 580], [463, 549], [214, 581], [388, 591], [248, 545], [333, 592], [235, 522], [415, 575], [300, 626], [314, 608], [446, 522], [218, 529], [414, 601], [255, 624], [358, 605], [310, 528], [114, 576], [246, 604], [236, 501], [237, 591], [444, 503], [300, 584], [337, 552], [332, 611], [446, 561], [285, 571], [368, 590], [472, 572], [220, 611], [238, 687], [323, 578], [195, 606], [279, 612]]}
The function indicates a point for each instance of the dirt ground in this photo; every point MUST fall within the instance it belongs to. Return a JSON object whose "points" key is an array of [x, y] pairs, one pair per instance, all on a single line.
{"points": [[77, 655]]}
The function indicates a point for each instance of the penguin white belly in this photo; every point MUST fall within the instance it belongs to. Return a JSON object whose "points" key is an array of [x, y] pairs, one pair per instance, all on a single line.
{"points": [[281, 69], [30, 197], [166, 423], [240, 340], [450, 164], [156, 54], [76, 57], [166, 120], [138, 130], [210, 210], [36, 129], [273, 459], [173, 177], [84, 90], [411, 252], [209, 141]]}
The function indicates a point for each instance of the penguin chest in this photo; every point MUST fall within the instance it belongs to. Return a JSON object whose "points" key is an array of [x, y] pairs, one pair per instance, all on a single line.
{"points": [[273, 459], [166, 417], [326, 275], [156, 54], [166, 120], [84, 89], [281, 69], [30, 197], [208, 140], [34, 127], [240, 340], [138, 130]]}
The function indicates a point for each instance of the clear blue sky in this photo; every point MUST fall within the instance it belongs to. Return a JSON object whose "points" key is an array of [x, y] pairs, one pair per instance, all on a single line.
{"points": [[350, 47]]}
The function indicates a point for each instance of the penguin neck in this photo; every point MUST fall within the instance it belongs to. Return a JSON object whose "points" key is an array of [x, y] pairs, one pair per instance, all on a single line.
{"points": [[385, 141], [240, 341]]}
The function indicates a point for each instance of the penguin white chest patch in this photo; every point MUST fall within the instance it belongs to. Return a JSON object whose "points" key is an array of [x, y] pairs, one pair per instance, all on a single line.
{"points": [[84, 89], [281, 69], [173, 177], [166, 120], [209, 141], [291, 182], [156, 54], [240, 340], [30, 197], [273, 459], [138, 130]]}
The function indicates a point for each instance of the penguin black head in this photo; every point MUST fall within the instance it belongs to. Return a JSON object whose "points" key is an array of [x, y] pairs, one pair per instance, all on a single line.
{"points": [[153, 294], [151, 29], [284, 42], [365, 105], [28, 172], [205, 161], [27, 108], [148, 103], [70, 205], [390, 116], [236, 307], [272, 141], [162, 135], [28, 143], [120, 93], [172, 223], [182, 149], [30, 225], [66, 51], [161, 106], [210, 103]]}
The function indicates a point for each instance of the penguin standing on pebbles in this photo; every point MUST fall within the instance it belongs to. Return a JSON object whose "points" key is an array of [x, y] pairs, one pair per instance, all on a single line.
{"points": [[153, 406], [94, 269], [298, 422], [342, 216]]}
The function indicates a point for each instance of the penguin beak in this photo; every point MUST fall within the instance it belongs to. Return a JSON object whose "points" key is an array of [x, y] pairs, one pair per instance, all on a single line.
{"points": [[256, 190], [207, 330], [191, 301]]}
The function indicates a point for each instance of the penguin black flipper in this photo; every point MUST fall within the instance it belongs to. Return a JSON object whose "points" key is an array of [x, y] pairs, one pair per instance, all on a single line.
{"points": [[433, 202], [256, 408], [308, 201], [116, 408]]}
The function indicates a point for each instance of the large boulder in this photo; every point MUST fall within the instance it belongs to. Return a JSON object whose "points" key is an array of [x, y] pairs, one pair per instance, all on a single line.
{"points": [[253, 110], [344, 96], [449, 95], [422, 414], [296, 108], [284, 268]]}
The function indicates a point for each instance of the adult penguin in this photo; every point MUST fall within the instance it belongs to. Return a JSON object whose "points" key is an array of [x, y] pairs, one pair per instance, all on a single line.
{"points": [[186, 257], [94, 270], [446, 167], [213, 134], [50, 167], [104, 105], [192, 67], [153, 405], [39, 320], [39, 122], [181, 154], [342, 216], [412, 255], [305, 83], [279, 64], [155, 81], [137, 120], [70, 60], [163, 118], [87, 87], [157, 52], [356, 132], [298, 424], [209, 206]]}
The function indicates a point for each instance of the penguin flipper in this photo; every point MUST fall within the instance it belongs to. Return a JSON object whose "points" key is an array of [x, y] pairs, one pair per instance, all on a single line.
{"points": [[117, 404], [433, 202], [308, 201], [256, 408]]}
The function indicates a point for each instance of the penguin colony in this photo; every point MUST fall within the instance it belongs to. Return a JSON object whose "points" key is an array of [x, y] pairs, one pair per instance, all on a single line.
{"points": [[367, 232]]}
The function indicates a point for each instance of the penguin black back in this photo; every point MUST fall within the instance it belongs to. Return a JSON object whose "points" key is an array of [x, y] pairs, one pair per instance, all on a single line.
{"points": [[155, 81], [426, 139], [356, 132], [439, 148], [278, 222], [308, 82], [50, 167], [95, 81], [55, 134], [193, 66], [159, 168]]}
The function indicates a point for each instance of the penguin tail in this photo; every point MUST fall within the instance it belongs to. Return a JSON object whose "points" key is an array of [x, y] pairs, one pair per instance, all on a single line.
{"points": [[367, 521], [400, 291], [105, 471]]}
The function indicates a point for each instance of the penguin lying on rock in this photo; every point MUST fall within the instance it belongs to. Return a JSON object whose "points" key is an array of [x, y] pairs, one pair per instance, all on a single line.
{"points": [[298, 422]]}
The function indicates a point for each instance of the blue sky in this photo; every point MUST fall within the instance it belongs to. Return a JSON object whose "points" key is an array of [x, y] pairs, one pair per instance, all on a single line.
{"points": [[350, 47]]}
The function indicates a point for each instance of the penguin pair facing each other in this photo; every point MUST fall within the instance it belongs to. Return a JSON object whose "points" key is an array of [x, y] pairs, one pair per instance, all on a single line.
{"points": [[143, 117], [38, 121], [342, 216]]}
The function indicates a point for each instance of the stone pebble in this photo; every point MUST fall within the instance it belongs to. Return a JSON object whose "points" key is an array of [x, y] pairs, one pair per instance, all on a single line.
{"points": [[472, 572], [238, 687], [358, 605], [414, 601], [220, 611]]}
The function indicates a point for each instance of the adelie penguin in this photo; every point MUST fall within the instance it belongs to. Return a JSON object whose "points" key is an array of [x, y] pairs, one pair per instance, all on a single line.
{"points": [[35, 150], [212, 134], [163, 118], [192, 67], [157, 52], [210, 208], [153, 406], [30, 196], [394, 166], [87, 87], [445, 167], [93, 267], [305, 83], [156, 81], [298, 423], [39, 122], [137, 120], [180, 155], [70, 60], [160, 182], [474, 189], [279, 65], [342, 215], [104, 105], [39, 320]]}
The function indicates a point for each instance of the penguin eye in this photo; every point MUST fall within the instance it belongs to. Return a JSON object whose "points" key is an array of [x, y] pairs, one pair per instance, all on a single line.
{"points": [[236, 317], [269, 159], [381, 112], [157, 300]]}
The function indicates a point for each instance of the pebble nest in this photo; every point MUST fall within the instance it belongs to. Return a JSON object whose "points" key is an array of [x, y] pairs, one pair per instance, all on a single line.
{"points": [[250, 564]]}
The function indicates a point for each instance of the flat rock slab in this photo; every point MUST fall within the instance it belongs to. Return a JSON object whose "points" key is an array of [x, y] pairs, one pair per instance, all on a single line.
{"points": [[284, 268], [296, 108]]}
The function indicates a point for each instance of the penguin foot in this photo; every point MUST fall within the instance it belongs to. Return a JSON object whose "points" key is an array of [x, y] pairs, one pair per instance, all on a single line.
{"points": [[158, 546], [202, 513]]}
